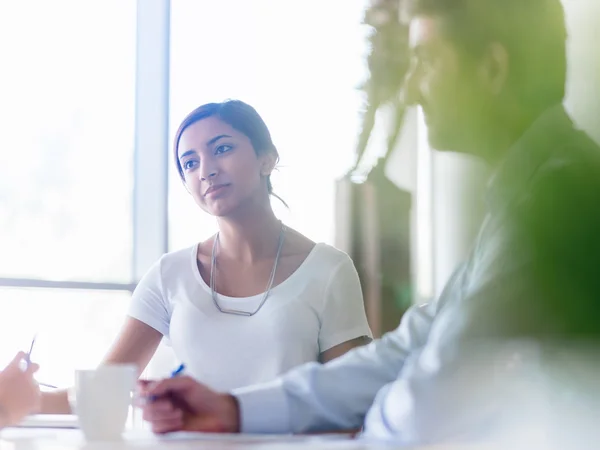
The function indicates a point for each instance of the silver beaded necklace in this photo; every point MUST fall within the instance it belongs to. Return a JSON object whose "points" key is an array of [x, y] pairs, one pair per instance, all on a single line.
{"points": [[213, 265]]}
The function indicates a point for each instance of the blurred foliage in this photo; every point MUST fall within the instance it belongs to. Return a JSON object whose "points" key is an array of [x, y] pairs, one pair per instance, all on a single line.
{"points": [[387, 62]]}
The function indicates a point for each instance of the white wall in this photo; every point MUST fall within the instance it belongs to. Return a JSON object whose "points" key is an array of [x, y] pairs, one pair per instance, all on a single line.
{"points": [[583, 89], [458, 185], [446, 207], [401, 166]]}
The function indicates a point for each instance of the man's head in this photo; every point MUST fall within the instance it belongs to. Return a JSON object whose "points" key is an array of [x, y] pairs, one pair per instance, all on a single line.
{"points": [[482, 64]]}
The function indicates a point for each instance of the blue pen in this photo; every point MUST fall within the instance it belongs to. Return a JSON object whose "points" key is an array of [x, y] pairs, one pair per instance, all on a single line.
{"points": [[28, 354], [176, 372], [28, 362]]}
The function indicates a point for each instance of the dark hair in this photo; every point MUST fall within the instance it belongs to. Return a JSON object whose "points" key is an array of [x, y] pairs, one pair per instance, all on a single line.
{"points": [[532, 31], [240, 116]]}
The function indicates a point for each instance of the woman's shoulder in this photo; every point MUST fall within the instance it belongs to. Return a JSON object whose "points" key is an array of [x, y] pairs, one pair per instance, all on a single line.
{"points": [[168, 269], [332, 256], [177, 259], [320, 255]]}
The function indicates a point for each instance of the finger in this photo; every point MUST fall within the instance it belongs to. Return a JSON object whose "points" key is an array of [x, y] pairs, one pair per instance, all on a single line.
{"points": [[144, 383], [160, 410], [177, 385], [167, 426], [156, 416], [143, 386], [161, 405], [32, 368], [16, 361]]}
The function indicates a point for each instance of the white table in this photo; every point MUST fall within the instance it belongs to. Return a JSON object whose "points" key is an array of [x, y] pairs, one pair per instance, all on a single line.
{"points": [[71, 439], [61, 433], [64, 439]]}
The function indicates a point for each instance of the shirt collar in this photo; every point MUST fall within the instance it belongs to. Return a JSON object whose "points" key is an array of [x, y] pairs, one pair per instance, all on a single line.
{"points": [[523, 159]]}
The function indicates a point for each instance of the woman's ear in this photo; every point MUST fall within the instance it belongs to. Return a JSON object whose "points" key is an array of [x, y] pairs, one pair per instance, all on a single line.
{"points": [[269, 161]]}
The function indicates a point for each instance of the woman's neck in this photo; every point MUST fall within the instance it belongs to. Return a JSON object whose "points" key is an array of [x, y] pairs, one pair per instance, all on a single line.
{"points": [[251, 237]]}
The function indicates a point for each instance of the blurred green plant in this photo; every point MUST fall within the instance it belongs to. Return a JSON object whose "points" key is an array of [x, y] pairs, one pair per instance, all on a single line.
{"points": [[387, 62]]}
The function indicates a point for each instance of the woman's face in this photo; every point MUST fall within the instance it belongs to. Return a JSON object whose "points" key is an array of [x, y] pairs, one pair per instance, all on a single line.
{"points": [[221, 169]]}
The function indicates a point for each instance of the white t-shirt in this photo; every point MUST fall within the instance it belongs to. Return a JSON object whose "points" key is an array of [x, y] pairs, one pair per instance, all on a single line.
{"points": [[318, 307]]}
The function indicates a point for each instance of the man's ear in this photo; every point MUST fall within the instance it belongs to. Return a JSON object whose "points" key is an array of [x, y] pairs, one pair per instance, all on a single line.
{"points": [[494, 67]]}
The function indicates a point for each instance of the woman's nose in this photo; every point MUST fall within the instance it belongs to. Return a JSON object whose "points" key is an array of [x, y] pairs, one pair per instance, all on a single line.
{"points": [[209, 175]]}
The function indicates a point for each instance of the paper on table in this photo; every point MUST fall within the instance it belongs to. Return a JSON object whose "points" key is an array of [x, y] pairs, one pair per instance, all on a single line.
{"points": [[49, 421], [135, 435]]}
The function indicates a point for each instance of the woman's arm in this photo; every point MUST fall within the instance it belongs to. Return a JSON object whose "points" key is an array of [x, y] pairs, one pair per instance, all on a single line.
{"points": [[137, 341], [344, 324], [344, 347], [135, 344]]}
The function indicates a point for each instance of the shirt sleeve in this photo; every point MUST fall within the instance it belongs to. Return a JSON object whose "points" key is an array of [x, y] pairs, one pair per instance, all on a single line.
{"points": [[343, 317], [534, 284], [336, 395], [467, 380], [148, 303]]}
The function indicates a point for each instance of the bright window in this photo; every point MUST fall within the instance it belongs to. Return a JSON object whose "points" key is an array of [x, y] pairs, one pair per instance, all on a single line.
{"points": [[74, 328], [298, 64], [74, 233], [66, 147], [67, 86]]}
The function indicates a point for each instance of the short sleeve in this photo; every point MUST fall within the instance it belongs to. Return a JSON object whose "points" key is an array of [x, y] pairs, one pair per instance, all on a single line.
{"points": [[148, 303], [343, 316]]}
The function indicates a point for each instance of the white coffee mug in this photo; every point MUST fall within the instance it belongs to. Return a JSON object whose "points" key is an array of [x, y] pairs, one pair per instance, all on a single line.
{"points": [[102, 399]]}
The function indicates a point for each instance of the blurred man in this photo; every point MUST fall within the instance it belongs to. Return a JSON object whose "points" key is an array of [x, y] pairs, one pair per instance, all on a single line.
{"points": [[490, 78]]}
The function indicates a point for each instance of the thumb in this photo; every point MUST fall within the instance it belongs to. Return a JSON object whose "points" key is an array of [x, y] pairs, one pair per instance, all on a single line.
{"points": [[177, 386], [32, 368], [143, 386]]}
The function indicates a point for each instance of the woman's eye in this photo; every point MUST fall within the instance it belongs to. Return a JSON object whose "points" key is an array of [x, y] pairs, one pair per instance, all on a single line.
{"points": [[222, 149], [188, 165]]}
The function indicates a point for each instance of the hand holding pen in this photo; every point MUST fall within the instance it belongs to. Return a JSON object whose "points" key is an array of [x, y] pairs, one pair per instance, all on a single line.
{"points": [[178, 371], [19, 392], [180, 403], [145, 385], [28, 362]]}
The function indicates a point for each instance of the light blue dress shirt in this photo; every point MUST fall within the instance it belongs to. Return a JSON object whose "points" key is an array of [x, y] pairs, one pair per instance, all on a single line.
{"points": [[423, 382]]}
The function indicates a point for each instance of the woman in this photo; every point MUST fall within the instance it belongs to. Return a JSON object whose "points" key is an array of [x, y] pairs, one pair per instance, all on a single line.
{"points": [[256, 299], [19, 392]]}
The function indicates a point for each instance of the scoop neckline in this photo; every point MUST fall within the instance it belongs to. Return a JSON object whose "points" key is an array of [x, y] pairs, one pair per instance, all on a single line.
{"points": [[285, 283]]}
